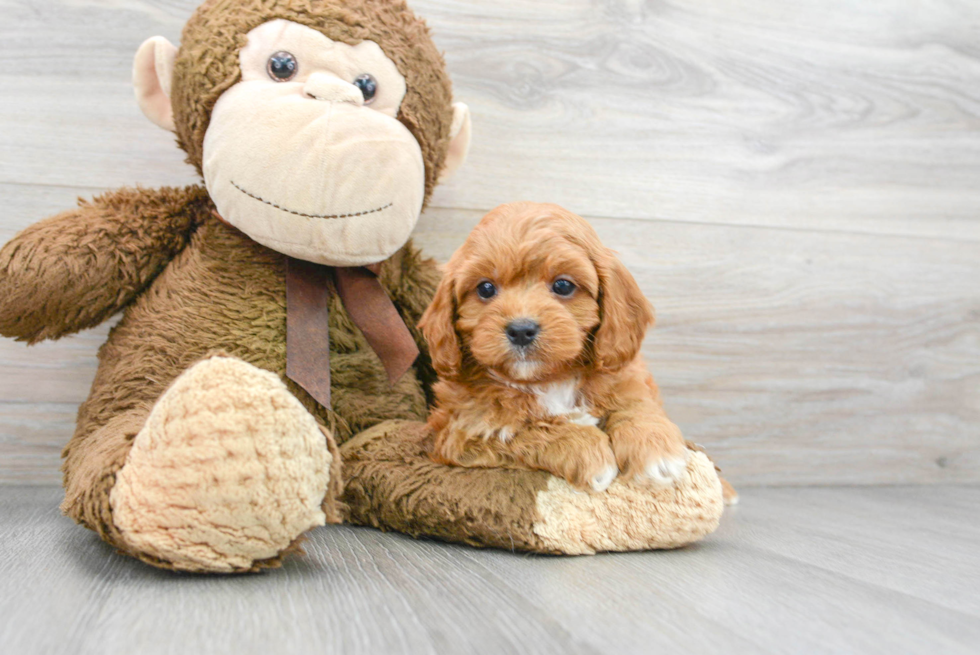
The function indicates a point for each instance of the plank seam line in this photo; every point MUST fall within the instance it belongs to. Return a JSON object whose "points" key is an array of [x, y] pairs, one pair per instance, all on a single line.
{"points": [[959, 238]]}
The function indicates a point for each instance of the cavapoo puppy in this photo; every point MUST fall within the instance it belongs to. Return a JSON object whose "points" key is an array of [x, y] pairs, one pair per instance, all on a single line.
{"points": [[535, 332]]}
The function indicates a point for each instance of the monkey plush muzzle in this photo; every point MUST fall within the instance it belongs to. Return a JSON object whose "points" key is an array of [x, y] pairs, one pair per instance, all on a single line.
{"points": [[303, 161]]}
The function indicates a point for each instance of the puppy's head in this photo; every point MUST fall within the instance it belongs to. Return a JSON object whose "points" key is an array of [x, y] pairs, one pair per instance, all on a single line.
{"points": [[532, 295]]}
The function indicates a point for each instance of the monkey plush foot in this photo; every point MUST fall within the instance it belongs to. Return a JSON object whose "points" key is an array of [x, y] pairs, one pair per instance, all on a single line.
{"points": [[392, 484], [227, 473]]}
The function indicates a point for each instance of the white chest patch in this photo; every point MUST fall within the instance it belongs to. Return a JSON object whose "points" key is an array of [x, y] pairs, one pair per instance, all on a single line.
{"points": [[563, 399]]}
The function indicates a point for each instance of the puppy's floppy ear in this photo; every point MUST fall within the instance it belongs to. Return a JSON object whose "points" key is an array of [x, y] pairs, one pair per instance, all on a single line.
{"points": [[624, 313], [438, 325]]}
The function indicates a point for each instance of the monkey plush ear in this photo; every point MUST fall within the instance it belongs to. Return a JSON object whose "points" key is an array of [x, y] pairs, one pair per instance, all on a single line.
{"points": [[459, 144], [153, 69]]}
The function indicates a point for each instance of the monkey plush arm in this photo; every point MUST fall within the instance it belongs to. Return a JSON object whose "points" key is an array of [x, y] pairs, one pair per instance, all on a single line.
{"points": [[74, 270]]}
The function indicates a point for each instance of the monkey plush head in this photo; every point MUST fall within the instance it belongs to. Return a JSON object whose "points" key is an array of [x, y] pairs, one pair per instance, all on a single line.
{"points": [[320, 127]]}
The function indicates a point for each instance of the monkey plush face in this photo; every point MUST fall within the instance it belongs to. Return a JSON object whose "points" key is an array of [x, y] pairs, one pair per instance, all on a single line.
{"points": [[315, 148], [305, 155]]}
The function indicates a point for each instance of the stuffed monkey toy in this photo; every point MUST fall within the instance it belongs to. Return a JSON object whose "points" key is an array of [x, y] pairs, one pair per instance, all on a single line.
{"points": [[268, 328]]}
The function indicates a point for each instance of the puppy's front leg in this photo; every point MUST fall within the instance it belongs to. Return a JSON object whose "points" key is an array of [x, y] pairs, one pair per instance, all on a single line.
{"points": [[647, 444], [473, 445], [580, 454]]}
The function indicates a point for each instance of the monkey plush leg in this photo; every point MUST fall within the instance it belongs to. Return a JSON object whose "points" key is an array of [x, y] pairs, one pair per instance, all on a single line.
{"points": [[90, 469], [225, 474], [392, 483]]}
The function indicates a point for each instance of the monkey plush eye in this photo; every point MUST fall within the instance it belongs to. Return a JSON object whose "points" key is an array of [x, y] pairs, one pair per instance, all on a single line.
{"points": [[563, 287], [486, 290], [368, 86], [282, 66]]}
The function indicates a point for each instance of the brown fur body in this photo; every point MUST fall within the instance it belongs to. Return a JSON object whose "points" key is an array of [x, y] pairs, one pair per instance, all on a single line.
{"points": [[221, 292]]}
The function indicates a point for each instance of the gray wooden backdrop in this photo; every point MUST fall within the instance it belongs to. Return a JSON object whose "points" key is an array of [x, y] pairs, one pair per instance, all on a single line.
{"points": [[795, 185]]}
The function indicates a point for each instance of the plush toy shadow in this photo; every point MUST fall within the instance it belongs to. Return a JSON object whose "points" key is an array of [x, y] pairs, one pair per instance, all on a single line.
{"points": [[210, 439]]}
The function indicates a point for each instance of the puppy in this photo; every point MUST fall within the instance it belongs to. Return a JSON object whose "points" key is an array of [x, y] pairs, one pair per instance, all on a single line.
{"points": [[535, 332]]}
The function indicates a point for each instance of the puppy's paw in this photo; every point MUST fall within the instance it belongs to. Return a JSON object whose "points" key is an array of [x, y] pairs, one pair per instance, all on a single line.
{"points": [[666, 470], [728, 492], [593, 469], [227, 472], [582, 455], [605, 478], [650, 452]]}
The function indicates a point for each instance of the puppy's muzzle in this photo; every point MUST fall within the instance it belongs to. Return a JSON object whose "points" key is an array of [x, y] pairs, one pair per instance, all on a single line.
{"points": [[522, 332]]}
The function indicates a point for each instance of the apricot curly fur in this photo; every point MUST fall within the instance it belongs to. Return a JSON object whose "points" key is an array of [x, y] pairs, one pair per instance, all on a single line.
{"points": [[492, 401]]}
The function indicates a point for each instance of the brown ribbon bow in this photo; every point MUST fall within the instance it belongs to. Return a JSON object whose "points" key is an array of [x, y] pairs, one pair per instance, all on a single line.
{"points": [[307, 323]]}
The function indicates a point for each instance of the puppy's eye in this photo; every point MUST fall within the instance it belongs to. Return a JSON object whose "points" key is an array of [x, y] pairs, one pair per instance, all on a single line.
{"points": [[368, 86], [563, 287], [486, 290], [282, 66]]}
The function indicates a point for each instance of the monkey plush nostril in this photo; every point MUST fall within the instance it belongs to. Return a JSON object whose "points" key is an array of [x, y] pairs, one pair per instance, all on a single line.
{"points": [[522, 332], [328, 88]]}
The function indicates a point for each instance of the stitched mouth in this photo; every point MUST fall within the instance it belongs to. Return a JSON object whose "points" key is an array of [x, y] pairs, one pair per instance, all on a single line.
{"points": [[296, 213]]}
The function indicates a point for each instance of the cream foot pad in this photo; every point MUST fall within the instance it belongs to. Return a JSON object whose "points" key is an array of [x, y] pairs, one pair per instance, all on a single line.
{"points": [[228, 471]]}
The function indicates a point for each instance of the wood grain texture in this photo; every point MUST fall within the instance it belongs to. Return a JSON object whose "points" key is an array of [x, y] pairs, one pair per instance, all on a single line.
{"points": [[833, 115], [795, 189], [847, 570]]}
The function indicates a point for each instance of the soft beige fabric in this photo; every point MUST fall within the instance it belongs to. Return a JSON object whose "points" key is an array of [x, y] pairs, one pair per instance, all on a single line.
{"points": [[317, 54], [305, 167], [459, 141], [153, 69], [631, 516], [228, 470]]}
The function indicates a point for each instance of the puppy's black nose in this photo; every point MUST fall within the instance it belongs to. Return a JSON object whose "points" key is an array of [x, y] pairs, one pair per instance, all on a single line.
{"points": [[522, 331]]}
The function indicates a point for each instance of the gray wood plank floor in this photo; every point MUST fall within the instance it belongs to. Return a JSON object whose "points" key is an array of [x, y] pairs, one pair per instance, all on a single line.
{"points": [[807, 570], [794, 186]]}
